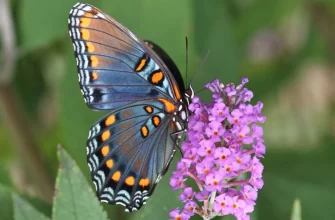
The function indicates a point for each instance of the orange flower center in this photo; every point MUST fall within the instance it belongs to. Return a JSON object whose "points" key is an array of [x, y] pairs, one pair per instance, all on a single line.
{"points": [[222, 204]]}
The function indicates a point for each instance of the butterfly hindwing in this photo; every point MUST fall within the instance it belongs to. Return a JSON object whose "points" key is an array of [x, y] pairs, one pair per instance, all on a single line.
{"points": [[115, 67], [128, 151]]}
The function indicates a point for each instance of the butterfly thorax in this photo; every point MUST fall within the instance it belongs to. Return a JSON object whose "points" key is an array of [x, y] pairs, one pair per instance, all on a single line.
{"points": [[181, 114]]}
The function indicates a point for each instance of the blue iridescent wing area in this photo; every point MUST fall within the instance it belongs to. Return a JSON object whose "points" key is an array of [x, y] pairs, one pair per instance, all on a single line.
{"points": [[128, 151], [115, 67]]}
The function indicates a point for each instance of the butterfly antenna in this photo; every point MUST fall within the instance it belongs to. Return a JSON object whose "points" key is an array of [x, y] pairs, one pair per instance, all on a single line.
{"points": [[200, 90], [200, 66], [186, 42]]}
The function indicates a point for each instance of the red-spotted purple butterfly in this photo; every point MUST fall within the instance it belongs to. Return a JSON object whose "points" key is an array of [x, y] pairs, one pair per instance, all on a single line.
{"points": [[129, 149]]}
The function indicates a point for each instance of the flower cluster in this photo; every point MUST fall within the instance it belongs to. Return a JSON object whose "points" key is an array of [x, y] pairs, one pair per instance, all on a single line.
{"points": [[221, 154]]}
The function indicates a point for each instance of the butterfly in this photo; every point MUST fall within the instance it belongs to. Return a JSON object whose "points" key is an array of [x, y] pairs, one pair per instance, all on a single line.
{"points": [[130, 148]]}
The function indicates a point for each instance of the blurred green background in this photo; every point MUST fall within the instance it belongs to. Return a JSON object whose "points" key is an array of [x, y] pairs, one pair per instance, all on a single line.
{"points": [[285, 48]]}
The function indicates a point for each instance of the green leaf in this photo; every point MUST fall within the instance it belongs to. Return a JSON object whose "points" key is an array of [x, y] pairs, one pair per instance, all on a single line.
{"points": [[74, 198], [25, 211], [6, 209], [296, 210]]}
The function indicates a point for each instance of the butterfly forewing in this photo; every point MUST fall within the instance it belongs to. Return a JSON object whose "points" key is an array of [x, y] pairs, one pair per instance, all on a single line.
{"points": [[115, 67]]}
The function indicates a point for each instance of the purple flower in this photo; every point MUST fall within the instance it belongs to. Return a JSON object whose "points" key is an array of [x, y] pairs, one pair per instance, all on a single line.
{"points": [[222, 156], [235, 117], [203, 195], [249, 193], [219, 112], [191, 154], [177, 182], [223, 205], [238, 206], [187, 194], [224, 142], [190, 207], [213, 181], [204, 168], [214, 131], [206, 148], [176, 215]]}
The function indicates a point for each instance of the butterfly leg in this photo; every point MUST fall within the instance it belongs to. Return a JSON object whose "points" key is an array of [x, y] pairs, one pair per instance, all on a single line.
{"points": [[178, 134]]}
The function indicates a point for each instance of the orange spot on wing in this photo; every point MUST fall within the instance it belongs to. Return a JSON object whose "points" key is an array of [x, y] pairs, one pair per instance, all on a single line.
{"points": [[169, 107], [95, 76], [148, 109], [144, 131], [105, 135], [156, 120], [105, 150], [110, 163], [144, 182], [85, 34], [85, 22], [94, 61], [130, 181], [116, 176], [157, 77], [176, 91], [110, 120], [141, 65], [90, 47]]}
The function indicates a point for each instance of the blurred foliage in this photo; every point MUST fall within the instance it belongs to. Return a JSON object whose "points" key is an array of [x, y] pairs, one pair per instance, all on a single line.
{"points": [[285, 47], [25, 211], [74, 198]]}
